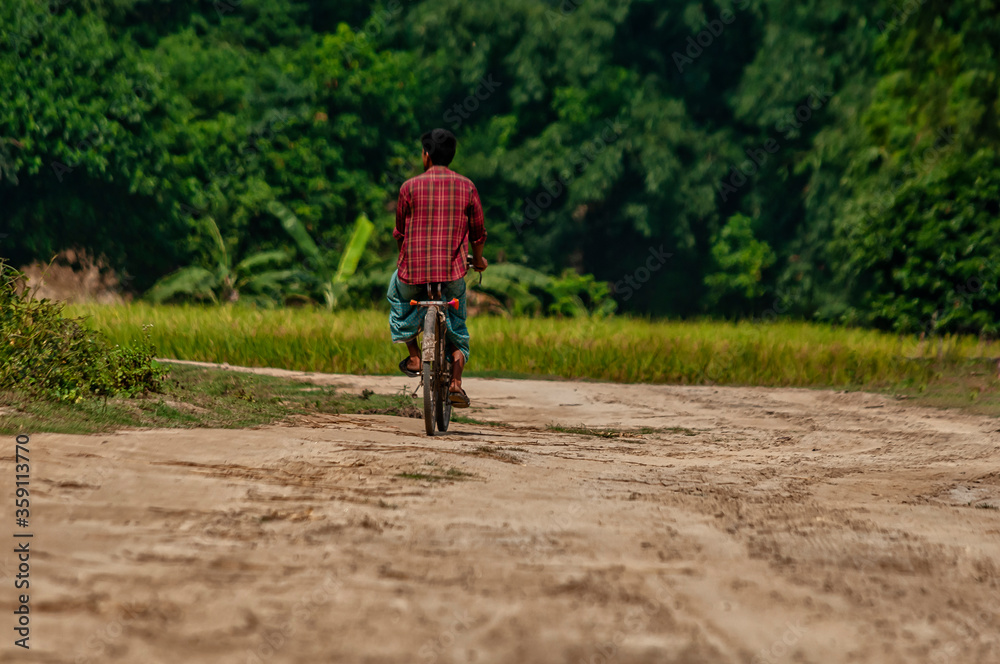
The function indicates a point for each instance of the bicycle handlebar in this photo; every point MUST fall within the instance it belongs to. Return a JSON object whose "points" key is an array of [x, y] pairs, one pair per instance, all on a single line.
{"points": [[436, 303], [468, 263]]}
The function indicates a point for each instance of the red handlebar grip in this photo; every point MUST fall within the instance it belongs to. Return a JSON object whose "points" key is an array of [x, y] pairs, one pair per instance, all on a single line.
{"points": [[414, 302], [454, 303]]}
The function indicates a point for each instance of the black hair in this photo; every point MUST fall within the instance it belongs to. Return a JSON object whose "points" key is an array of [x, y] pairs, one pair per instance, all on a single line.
{"points": [[440, 144]]}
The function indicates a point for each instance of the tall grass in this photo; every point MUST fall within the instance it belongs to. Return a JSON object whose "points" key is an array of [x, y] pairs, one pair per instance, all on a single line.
{"points": [[617, 349]]}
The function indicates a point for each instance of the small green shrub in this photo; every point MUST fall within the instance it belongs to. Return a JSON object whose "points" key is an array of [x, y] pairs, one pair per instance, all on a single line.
{"points": [[47, 354]]}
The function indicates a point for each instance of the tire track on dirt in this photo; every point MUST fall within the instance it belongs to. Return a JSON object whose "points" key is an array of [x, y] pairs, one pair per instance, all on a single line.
{"points": [[792, 526]]}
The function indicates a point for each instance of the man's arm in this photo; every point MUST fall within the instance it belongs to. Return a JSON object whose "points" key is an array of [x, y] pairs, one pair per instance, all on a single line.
{"points": [[477, 232]]}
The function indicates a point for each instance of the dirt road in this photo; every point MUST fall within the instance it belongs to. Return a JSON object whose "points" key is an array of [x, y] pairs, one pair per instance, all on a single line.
{"points": [[753, 525]]}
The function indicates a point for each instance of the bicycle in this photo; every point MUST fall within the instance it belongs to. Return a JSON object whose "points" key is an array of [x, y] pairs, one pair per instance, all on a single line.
{"points": [[435, 359], [436, 363]]}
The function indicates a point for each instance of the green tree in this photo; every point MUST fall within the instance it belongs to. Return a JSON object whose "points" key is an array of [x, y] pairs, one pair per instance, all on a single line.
{"points": [[919, 236], [739, 260]]}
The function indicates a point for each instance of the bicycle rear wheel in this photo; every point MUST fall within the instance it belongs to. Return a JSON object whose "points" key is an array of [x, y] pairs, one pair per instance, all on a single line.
{"points": [[429, 373]]}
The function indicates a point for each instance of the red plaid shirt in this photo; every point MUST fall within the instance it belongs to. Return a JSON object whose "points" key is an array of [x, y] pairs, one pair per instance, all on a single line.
{"points": [[438, 214]]}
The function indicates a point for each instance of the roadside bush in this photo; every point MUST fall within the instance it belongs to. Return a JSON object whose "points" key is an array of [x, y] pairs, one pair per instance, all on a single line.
{"points": [[49, 355]]}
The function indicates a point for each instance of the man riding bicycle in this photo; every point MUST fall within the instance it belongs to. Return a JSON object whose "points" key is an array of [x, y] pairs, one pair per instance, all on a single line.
{"points": [[438, 217]]}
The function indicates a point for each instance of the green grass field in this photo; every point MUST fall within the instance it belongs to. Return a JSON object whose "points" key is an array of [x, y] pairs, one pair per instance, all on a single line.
{"points": [[617, 349], [951, 372], [196, 397]]}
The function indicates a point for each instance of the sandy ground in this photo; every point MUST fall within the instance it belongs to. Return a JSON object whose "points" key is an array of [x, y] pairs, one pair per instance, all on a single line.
{"points": [[759, 525]]}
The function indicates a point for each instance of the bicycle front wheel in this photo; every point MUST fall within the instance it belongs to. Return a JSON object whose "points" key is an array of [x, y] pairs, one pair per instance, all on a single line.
{"points": [[430, 384], [443, 406]]}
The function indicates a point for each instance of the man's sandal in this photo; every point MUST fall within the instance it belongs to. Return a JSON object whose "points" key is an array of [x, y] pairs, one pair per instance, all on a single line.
{"points": [[459, 399], [409, 372]]}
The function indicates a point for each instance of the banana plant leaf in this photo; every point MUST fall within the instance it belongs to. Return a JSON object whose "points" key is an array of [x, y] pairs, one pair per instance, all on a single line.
{"points": [[192, 281], [270, 282], [511, 284], [297, 230], [336, 291], [222, 257], [262, 259], [348, 265]]}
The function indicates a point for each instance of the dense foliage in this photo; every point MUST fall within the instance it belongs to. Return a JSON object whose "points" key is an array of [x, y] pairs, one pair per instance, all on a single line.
{"points": [[51, 355], [828, 160]]}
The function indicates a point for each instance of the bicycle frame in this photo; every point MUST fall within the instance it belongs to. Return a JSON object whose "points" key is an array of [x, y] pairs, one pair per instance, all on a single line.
{"points": [[435, 364], [427, 345]]}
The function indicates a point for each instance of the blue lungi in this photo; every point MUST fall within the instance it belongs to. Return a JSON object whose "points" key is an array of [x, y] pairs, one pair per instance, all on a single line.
{"points": [[406, 320]]}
